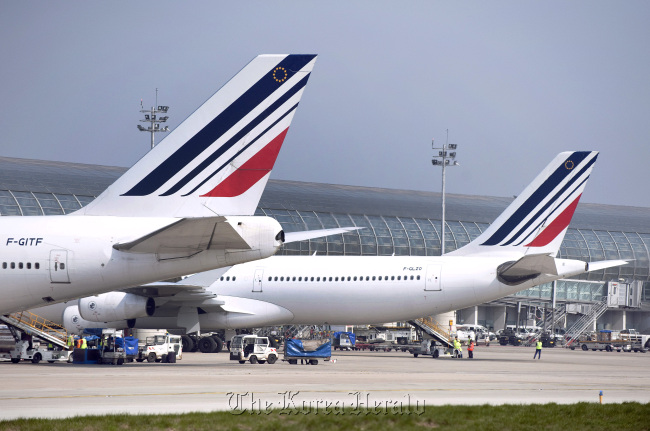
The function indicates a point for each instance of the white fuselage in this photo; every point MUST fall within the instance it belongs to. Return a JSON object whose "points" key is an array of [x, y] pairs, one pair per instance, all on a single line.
{"points": [[361, 290], [56, 258]]}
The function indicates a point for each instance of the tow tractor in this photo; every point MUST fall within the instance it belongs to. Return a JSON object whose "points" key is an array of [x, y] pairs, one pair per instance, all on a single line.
{"points": [[252, 348]]}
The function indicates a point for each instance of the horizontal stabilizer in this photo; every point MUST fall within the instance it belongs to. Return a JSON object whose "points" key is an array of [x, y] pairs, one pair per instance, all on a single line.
{"points": [[595, 266], [526, 268], [187, 237], [319, 233]]}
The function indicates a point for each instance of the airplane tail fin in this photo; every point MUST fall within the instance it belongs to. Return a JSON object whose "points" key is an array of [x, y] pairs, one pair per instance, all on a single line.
{"points": [[536, 221], [216, 162]]}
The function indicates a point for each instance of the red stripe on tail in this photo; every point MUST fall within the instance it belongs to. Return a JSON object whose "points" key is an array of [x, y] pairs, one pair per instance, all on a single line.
{"points": [[558, 225], [248, 174]]}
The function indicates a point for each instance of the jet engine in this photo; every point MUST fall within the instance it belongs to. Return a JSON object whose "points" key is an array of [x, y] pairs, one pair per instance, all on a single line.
{"points": [[75, 324], [113, 306]]}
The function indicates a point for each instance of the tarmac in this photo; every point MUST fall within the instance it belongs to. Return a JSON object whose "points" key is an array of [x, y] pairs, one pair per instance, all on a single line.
{"points": [[381, 381]]}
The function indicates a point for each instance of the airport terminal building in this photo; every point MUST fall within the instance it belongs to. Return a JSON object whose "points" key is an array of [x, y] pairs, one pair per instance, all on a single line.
{"points": [[399, 222]]}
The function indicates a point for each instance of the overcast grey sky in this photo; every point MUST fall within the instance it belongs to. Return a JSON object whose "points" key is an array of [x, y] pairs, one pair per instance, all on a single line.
{"points": [[514, 82]]}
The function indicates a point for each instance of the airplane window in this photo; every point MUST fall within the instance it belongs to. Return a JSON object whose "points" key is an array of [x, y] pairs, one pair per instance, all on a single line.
{"points": [[373, 278], [418, 277], [13, 265], [299, 278], [275, 279], [269, 278], [336, 279], [355, 278], [312, 279], [221, 279], [233, 279], [411, 277], [380, 278], [62, 266], [318, 279], [4, 265], [367, 278], [330, 278], [20, 265], [348, 278], [392, 277], [399, 277], [227, 278], [294, 279], [37, 265], [281, 278]]}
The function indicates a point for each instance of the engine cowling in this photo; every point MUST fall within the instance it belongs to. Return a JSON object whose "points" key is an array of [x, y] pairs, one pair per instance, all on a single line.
{"points": [[112, 306], [75, 324]]}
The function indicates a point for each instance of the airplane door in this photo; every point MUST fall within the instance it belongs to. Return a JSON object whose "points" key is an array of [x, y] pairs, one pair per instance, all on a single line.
{"points": [[257, 280], [59, 266], [432, 281]]}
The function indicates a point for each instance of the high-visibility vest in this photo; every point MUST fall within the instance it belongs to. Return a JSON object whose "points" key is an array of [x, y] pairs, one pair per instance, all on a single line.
{"points": [[471, 347], [539, 345], [70, 340], [83, 343]]}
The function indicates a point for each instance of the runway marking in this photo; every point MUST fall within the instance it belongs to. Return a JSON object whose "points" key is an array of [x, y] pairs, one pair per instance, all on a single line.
{"points": [[574, 389]]}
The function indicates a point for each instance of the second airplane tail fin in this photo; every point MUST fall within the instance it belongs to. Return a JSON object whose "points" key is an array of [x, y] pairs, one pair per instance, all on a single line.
{"points": [[536, 221], [216, 162]]}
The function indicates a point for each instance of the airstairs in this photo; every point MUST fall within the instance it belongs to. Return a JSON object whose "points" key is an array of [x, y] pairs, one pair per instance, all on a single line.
{"points": [[555, 322], [549, 323], [432, 328], [587, 320], [36, 326]]}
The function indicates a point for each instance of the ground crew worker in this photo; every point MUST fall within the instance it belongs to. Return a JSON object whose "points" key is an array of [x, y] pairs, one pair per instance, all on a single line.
{"points": [[538, 350], [458, 350], [84, 344], [470, 349], [70, 342]]}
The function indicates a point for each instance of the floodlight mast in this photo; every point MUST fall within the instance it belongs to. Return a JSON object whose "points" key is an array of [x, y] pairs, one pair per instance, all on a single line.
{"points": [[444, 158], [151, 117]]}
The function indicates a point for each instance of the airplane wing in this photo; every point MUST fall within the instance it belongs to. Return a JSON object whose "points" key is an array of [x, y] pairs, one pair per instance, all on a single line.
{"points": [[187, 237], [527, 266], [318, 233], [595, 266], [533, 265]]}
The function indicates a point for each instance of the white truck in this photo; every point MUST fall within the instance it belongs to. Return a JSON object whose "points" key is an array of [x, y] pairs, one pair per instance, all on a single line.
{"points": [[161, 348], [253, 349]]}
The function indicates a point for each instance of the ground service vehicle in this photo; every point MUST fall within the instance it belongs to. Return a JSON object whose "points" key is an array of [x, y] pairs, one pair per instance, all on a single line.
{"points": [[162, 348], [343, 340], [307, 350], [33, 351], [428, 348], [252, 348], [627, 340]]}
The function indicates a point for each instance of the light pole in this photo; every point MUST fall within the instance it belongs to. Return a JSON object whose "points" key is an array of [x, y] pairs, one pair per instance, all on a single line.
{"points": [[151, 117], [444, 158]]}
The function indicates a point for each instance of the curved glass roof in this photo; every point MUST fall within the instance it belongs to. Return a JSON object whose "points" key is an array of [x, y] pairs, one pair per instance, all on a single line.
{"points": [[400, 222]]}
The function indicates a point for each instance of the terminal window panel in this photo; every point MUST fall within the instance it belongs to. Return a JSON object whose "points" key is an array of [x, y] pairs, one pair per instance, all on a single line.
{"points": [[328, 221], [311, 221], [379, 226], [69, 203], [84, 200]]}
